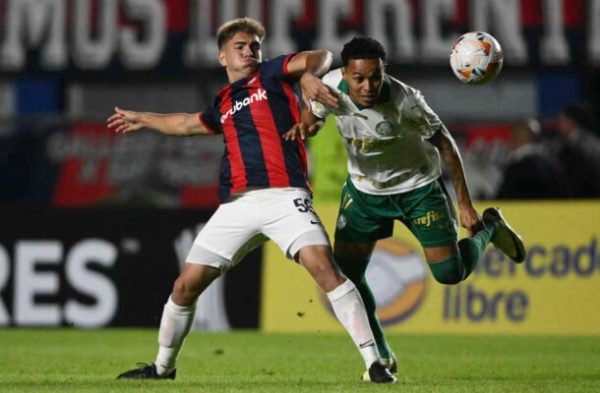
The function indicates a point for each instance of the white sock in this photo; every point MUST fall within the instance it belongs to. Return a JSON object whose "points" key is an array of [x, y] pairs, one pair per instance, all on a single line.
{"points": [[174, 326], [350, 311]]}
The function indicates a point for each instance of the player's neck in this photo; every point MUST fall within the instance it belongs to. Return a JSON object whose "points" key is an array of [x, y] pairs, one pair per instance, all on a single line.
{"points": [[234, 76]]}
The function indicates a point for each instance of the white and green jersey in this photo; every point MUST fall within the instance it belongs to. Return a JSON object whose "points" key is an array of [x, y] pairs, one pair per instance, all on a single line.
{"points": [[388, 150]]}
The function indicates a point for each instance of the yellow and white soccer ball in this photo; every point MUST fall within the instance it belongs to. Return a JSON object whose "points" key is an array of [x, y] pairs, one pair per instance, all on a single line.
{"points": [[476, 58]]}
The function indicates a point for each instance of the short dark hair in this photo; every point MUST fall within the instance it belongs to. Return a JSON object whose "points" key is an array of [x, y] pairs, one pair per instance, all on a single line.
{"points": [[362, 48], [580, 114], [245, 25]]}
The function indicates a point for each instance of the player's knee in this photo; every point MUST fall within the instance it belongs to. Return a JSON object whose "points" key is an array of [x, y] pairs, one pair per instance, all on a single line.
{"points": [[182, 293], [185, 291], [323, 267], [318, 261], [192, 281], [449, 271]]}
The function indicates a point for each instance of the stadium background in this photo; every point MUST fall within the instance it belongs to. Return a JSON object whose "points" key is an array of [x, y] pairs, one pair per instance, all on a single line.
{"points": [[93, 227]]}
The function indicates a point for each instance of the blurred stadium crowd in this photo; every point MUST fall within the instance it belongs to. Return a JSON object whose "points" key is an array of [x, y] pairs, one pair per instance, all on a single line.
{"points": [[65, 64]]}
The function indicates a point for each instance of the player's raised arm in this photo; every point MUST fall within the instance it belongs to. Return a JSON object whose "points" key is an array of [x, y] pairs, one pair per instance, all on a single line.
{"points": [[179, 124], [309, 66]]}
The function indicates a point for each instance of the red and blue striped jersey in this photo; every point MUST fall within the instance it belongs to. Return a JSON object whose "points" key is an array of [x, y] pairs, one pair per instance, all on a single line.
{"points": [[253, 114]]}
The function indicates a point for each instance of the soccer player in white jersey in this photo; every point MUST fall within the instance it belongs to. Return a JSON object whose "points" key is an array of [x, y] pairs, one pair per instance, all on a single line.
{"points": [[396, 146], [263, 187]]}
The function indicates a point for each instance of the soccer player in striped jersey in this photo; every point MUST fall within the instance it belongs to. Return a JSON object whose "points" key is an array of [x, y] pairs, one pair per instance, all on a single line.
{"points": [[263, 188], [396, 145]]}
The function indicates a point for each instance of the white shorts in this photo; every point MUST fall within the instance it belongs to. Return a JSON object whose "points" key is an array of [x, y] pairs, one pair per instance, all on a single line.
{"points": [[284, 215]]}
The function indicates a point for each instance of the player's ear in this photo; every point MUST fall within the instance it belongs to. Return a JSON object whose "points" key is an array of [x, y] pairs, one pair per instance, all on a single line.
{"points": [[222, 58]]}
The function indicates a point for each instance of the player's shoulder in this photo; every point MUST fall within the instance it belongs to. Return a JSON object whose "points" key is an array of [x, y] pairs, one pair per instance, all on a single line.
{"points": [[276, 61], [399, 88], [276, 66], [221, 95], [279, 58]]}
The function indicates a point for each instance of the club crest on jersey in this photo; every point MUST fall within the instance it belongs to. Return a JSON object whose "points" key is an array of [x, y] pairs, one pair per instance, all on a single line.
{"points": [[238, 105], [384, 128], [341, 222], [316, 106]]}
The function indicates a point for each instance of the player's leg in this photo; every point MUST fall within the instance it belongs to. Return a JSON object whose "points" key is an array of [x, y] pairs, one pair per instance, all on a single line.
{"points": [[357, 230], [223, 241], [353, 259], [178, 313], [346, 303], [433, 221], [452, 263], [299, 233], [177, 317]]}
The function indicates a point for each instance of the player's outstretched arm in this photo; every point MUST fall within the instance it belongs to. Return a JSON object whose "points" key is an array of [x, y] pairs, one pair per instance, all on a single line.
{"points": [[308, 126], [469, 217], [180, 124], [309, 66]]}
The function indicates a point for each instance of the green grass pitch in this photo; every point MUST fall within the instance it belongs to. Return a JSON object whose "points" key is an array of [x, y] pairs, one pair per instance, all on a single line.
{"points": [[48, 360]]}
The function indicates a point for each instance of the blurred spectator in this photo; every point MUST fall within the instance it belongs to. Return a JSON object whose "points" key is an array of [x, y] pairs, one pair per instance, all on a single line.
{"points": [[531, 171], [579, 152]]}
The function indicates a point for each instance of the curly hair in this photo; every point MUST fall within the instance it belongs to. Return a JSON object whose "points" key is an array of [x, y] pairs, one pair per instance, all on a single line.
{"points": [[362, 48]]}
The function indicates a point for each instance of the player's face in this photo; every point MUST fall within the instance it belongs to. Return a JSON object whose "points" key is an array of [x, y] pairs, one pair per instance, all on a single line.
{"points": [[241, 55], [365, 79]]}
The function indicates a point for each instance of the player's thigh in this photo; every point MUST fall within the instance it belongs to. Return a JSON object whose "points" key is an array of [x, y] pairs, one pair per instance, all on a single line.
{"points": [[433, 222], [358, 223], [290, 220], [229, 234]]}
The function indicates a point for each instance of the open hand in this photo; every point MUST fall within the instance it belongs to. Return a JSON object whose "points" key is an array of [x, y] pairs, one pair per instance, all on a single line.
{"points": [[124, 121], [302, 130]]}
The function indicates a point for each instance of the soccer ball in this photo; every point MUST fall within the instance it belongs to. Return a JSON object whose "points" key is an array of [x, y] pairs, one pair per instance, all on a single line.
{"points": [[476, 58]]}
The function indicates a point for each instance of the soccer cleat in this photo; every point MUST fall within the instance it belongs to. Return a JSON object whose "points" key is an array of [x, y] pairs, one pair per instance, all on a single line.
{"points": [[505, 238], [391, 363], [378, 373], [146, 371]]}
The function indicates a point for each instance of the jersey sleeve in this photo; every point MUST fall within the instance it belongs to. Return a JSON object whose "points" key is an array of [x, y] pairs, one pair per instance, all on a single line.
{"points": [[277, 67], [210, 117], [422, 115], [319, 110]]}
